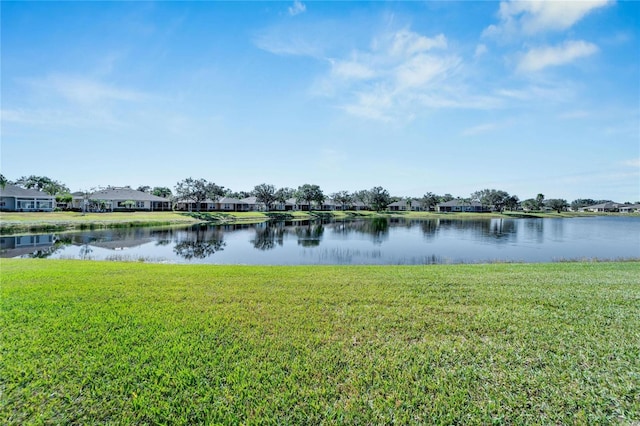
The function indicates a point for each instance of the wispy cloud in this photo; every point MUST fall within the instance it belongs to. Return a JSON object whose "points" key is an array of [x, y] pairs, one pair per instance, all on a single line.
{"points": [[401, 72], [634, 162], [539, 58], [533, 17], [479, 129], [83, 90], [297, 8]]}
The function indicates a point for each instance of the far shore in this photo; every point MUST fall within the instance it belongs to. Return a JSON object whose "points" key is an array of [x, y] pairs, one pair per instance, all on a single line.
{"points": [[12, 223]]}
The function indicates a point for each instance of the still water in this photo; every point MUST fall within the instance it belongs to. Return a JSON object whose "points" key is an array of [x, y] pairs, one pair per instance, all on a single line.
{"points": [[379, 241]]}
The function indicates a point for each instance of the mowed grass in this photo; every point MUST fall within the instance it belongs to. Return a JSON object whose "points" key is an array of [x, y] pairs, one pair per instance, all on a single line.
{"points": [[126, 343]]}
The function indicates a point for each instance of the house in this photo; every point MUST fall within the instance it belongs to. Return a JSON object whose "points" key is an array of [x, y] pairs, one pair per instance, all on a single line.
{"points": [[358, 205], [229, 204], [293, 204], [16, 199], [629, 208], [207, 205], [254, 205], [603, 207], [330, 205], [462, 206], [405, 205], [120, 199]]}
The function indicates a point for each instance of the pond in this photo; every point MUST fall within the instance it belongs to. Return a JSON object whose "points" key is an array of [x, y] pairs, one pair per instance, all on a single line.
{"points": [[384, 241]]}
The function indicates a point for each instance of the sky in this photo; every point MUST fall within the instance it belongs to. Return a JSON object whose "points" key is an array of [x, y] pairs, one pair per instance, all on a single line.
{"points": [[444, 97]]}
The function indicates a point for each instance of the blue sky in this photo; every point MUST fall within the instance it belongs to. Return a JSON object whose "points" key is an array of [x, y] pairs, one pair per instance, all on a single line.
{"points": [[448, 97]]}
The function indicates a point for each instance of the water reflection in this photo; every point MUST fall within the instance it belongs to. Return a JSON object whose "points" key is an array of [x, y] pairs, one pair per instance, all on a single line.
{"points": [[309, 235], [268, 237], [200, 243], [377, 241]]}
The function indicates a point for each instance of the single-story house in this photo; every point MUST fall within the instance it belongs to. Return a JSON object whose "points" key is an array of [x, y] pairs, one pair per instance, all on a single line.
{"points": [[603, 207], [359, 205], [293, 204], [629, 208], [404, 205], [16, 199], [330, 205], [120, 199], [229, 204], [462, 206], [255, 206]]}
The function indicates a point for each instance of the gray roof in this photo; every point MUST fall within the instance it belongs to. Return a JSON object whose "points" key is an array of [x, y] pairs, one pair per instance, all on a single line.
{"points": [[609, 205], [456, 203], [404, 203], [125, 194], [230, 200], [18, 192]]}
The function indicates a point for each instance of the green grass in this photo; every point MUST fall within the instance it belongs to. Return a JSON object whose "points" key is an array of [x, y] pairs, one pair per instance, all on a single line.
{"points": [[122, 343]]}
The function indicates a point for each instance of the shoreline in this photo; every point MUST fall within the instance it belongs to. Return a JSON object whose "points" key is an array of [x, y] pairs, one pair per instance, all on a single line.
{"points": [[12, 223]]}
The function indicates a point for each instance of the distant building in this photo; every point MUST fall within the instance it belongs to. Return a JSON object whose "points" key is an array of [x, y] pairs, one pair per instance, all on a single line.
{"points": [[462, 206], [603, 207], [16, 199], [120, 199]]}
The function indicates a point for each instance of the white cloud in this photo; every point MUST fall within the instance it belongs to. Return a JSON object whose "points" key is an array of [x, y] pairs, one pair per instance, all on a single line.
{"points": [[400, 73], [635, 162], [407, 43], [85, 91], [297, 8], [479, 129], [533, 17], [351, 69], [537, 59], [481, 49]]}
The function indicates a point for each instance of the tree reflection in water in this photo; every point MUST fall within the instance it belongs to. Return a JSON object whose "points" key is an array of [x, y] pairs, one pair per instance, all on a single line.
{"points": [[266, 238], [310, 235], [202, 243]]}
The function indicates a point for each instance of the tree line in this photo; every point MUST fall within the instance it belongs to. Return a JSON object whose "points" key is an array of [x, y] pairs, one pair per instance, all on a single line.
{"points": [[377, 198]]}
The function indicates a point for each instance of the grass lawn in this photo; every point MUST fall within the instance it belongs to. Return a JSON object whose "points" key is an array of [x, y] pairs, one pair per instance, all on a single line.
{"points": [[94, 343]]}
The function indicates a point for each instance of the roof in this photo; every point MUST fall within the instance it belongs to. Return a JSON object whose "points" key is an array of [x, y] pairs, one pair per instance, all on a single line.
{"points": [[230, 200], [609, 205], [404, 203], [16, 191], [456, 203], [125, 194]]}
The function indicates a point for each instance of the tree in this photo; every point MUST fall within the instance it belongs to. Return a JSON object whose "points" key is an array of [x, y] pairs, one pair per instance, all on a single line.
{"points": [[557, 204], [162, 191], [512, 202], [198, 190], [266, 194], [582, 202], [343, 198], [446, 197], [529, 204], [310, 194], [237, 194], [429, 200], [539, 201], [42, 183], [144, 188], [285, 193], [3, 181], [364, 196], [491, 197], [380, 198]]}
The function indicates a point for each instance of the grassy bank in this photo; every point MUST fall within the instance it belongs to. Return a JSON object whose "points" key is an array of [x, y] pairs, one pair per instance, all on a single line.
{"points": [[89, 342]]}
